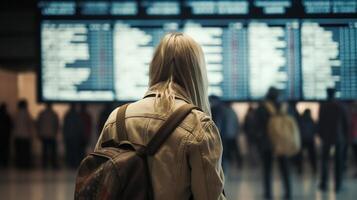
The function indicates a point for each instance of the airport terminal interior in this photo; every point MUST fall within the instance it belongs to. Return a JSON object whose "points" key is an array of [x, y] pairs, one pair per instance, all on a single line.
{"points": [[77, 60]]}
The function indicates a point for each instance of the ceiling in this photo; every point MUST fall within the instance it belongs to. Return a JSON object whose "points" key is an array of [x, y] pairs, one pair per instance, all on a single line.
{"points": [[18, 46]]}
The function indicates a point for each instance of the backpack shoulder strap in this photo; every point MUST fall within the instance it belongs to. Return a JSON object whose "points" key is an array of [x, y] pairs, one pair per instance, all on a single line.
{"points": [[168, 127], [120, 122], [164, 131]]}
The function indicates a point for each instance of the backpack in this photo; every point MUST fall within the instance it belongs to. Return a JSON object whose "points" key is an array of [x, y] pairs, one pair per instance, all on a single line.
{"points": [[283, 132], [119, 170]]}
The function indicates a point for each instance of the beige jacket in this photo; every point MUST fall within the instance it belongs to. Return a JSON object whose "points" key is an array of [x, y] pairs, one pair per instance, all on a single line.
{"points": [[189, 162]]}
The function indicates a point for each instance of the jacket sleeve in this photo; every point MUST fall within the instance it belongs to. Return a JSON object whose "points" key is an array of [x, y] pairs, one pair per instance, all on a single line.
{"points": [[205, 154]]}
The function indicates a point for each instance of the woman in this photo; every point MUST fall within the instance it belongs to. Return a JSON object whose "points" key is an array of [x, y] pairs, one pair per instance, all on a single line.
{"points": [[308, 130], [265, 145], [23, 134], [189, 162]]}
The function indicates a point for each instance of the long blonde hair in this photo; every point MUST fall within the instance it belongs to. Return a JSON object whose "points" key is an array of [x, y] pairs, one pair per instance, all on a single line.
{"points": [[178, 59]]}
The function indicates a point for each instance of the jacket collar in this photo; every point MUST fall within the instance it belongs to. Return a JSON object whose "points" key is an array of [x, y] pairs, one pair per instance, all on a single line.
{"points": [[179, 92]]}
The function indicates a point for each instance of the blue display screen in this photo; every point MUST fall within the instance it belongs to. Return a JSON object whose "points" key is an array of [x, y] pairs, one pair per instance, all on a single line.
{"points": [[106, 47]]}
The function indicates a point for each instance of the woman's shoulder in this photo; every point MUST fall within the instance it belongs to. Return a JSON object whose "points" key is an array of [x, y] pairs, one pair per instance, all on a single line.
{"points": [[112, 117], [202, 125], [194, 123], [201, 117]]}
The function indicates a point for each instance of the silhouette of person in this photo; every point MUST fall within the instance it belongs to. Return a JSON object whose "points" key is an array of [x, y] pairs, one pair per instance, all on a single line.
{"points": [[5, 131], [103, 116], [23, 132], [266, 147], [218, 114], [228, 125], [230, 139], [47, 127], [333, 130], [87, 124], [308, 130], [292, 110], [73, 134], [249, 127], [353, 131]]}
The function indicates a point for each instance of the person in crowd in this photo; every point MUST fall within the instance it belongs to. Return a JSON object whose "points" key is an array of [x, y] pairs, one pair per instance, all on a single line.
{"points": [[227, 122], [249, 127], [103, 116], [23, 134], [308, 130], [347, 111], [333, 129], [218, 111], [188, 164], [6, 126], [292, 110], [231, 135], [353, 132], [87, 124], [266, 147], [47, 127], [73, 134]]}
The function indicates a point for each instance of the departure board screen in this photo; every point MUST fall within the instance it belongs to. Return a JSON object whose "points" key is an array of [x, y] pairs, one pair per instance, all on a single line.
{"points": [[226, 7], [77, 61], [100, 50], [109, 60], [273, 6], [329, 58], [330, 6]]}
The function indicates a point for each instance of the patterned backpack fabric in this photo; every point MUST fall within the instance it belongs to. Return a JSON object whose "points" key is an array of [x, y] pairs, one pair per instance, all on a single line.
{"points": [[120, 170], [283, 132]]}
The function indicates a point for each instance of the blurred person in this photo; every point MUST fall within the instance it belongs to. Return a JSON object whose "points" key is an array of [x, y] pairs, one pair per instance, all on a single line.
{"points": [[298, 158], [228, 125], [292, 110], [6, 126], [266, 147], [249, 127], [353, 132], [230, 142], [218, 112], [87, 124], [73, 134], [188, 164], [23, 134], [348, 113], [332, 128], [47, 127], [308, 130], [103, 116]]}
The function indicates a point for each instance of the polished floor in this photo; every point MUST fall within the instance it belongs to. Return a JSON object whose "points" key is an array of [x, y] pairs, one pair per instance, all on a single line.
{"points": [[240, 184]]}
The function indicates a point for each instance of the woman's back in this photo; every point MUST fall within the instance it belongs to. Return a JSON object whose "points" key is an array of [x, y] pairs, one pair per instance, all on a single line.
{"points": [[188, 163]]}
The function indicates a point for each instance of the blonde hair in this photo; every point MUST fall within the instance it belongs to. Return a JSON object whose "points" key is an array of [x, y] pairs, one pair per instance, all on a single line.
{"points": [[179, 59]]}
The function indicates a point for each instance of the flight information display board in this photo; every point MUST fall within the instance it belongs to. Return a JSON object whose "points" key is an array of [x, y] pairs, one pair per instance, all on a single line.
{"points": [[109, 60], [101, 50], [192, 8], [329, 58], [330, 6]]}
